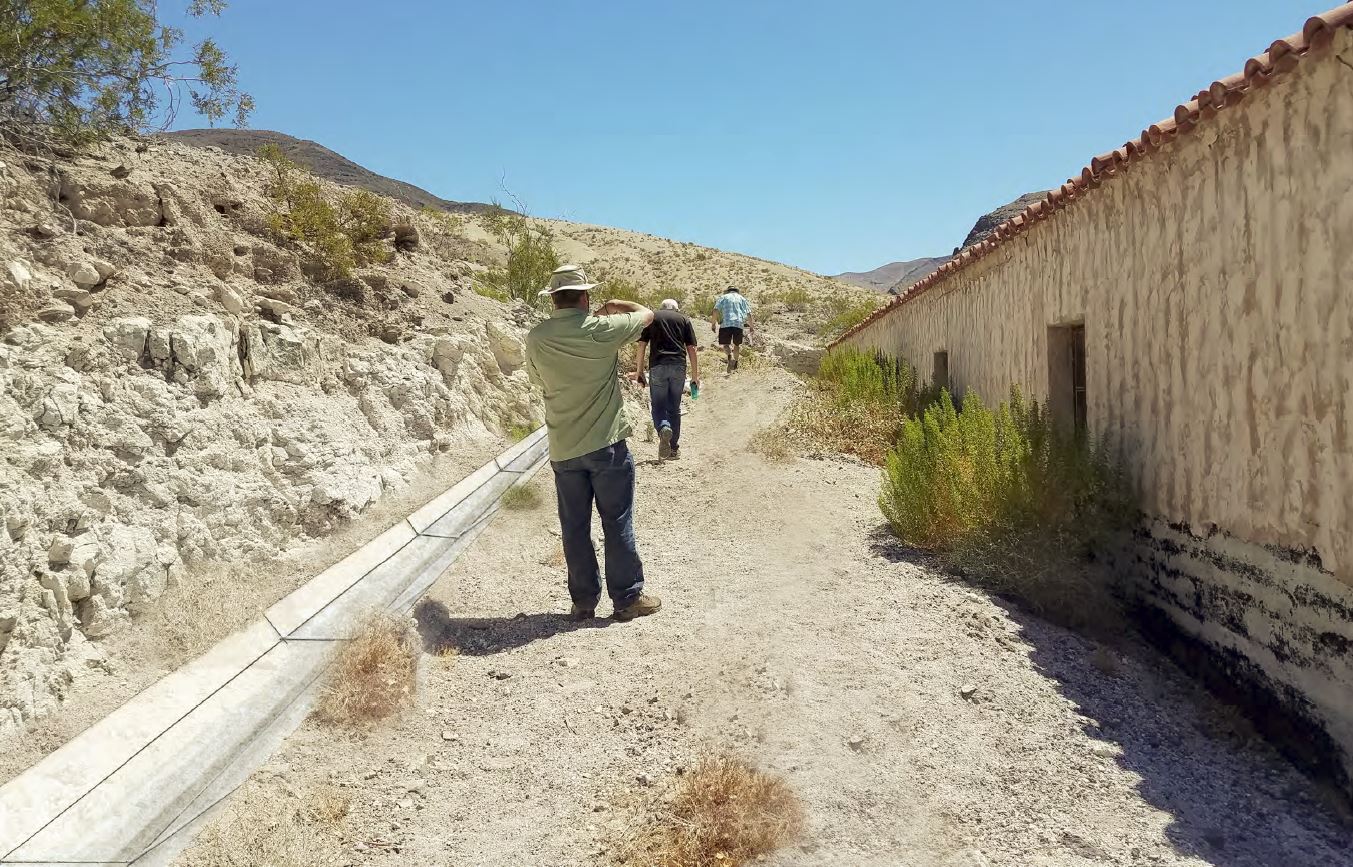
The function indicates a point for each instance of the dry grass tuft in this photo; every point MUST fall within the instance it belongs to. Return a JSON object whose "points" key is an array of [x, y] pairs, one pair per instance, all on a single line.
{"points": [[266, 825], [774, 443], [725, 813], [373, 675], [521, 497]]}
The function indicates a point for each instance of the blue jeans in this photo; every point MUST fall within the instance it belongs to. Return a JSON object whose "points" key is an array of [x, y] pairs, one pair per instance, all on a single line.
{"points": [[666, 383], [606, 476]]}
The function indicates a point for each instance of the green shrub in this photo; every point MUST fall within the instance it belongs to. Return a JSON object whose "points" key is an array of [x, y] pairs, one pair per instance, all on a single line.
{"points": [[531, 256], [625, 289], [1015, 504], [794, 298], [844, 313], [334, 237], [76, 70]]}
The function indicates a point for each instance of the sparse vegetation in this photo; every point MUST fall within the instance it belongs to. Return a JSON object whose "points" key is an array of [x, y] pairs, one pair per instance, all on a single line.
{"points": [[725, 812], [794, 298], [443, 221], [72, 71], [517, 432], [531, 257], [521, 497], [335, 236], [857, 402], [844, 313], [1011, 501], [372, 675]]}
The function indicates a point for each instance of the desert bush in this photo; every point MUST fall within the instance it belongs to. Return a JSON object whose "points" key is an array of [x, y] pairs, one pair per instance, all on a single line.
{"points": [[857, 403], [625, 289], [794, 298], [335, 237], [531, 257], [725, 812], [72, 71], [1014, 503], [372, 675], [843, 313]]}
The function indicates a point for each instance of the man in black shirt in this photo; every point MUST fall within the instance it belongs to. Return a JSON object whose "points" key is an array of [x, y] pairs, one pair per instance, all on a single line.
{"points": [[666, 345]]}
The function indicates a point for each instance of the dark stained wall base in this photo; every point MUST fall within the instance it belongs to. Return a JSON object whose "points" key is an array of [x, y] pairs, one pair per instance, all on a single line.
{"points": [[1265, 629]]}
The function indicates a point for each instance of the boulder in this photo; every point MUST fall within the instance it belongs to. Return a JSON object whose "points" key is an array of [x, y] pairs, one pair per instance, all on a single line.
{"points": [[111, 203], [128, 336]]}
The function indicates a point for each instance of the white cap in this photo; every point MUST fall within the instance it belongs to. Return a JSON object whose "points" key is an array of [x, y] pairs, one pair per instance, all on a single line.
{"points": [[669, 304]]}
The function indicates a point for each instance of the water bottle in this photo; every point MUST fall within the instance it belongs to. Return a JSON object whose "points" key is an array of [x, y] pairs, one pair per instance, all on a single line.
{"points": [[695, 389]]}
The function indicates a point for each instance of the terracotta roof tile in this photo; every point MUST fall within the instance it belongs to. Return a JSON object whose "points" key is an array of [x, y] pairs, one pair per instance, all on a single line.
{"points": [[1282, 57]]}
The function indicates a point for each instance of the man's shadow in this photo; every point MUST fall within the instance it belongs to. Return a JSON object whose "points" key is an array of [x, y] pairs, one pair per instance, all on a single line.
{"points": [[485, 636]]}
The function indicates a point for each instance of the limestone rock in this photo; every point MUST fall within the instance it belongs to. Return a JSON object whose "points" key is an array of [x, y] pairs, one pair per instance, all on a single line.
{"points": [[15, 277], [80, 299], [57, 311], [111, 202], [83, 274], [233, 301], [128, 336]]}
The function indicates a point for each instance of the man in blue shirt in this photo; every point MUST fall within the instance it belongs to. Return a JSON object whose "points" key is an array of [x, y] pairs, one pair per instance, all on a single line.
{"points": [[732, 313]]}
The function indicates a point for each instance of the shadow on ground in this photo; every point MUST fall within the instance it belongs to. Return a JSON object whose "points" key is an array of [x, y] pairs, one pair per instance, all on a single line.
{"points": [[1234, 801], [484, 636]]}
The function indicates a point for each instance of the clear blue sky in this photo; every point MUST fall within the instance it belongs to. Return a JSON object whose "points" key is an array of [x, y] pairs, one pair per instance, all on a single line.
{"points": [[830, 135]]}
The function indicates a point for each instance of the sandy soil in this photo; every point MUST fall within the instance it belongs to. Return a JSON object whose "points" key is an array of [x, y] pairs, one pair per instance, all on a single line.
{"points": [[921, 722], [216, 600]]}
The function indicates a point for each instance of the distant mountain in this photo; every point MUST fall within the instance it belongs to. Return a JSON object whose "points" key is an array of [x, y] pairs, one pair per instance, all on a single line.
{"points": [[896, 277], [323, 162], [987, 223], [885, 277]]}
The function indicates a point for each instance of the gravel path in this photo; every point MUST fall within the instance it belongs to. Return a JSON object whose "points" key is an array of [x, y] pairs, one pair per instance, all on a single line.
{"points": [[922, 723]]}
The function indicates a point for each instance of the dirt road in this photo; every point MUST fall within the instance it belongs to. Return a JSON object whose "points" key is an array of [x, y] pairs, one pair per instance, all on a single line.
{"points": [[922, 723]]}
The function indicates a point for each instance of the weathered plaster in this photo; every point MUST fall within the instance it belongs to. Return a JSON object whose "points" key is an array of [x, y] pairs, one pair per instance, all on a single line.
{"points": [[1215, 283]]}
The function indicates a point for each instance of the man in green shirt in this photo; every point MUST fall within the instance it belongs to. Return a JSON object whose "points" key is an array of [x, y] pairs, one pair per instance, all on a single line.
{"points": [[574, 358]]}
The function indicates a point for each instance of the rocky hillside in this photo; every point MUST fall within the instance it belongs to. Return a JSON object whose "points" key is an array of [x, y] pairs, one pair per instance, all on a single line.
{"points": [[987, 223], [177, 396], [323, 162], [885, 277]]}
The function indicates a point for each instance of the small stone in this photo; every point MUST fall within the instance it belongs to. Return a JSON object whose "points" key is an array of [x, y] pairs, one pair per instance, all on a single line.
{"points": [[967, 691], [60, 311], [121, 171], [855, 742], [411, 289], [450, 736], [231, 300], [644, 780], [83, 274], [566, 662], [449, 297], [59, 553], [80, 299], [16, 276], [46, 230], [500, 675]]}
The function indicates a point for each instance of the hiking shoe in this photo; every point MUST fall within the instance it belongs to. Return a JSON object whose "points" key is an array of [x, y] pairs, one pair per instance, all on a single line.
{"points": [[641, 607], [664, 443], [578, 614]]}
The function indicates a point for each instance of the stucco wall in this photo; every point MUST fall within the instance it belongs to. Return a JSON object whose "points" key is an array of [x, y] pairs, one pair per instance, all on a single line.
{"points": [[1215, 283]]}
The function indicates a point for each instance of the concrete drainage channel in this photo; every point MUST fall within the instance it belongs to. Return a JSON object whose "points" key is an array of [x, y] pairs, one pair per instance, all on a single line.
{"points": [[136, 786]]}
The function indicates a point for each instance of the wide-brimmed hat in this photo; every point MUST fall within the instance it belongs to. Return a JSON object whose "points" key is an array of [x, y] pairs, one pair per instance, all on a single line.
{"points": [[566, 278]]}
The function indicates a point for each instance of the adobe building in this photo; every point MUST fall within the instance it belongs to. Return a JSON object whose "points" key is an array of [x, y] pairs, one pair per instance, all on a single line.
{"points": [[1189, 298]]}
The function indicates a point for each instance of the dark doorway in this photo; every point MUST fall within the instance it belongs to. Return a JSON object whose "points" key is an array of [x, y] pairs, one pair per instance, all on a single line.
{"points": [[939, 374], [1066, 378]]}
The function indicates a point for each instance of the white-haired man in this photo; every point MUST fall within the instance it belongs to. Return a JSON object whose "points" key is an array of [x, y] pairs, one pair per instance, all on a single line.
{"points": [[666, 345]]}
